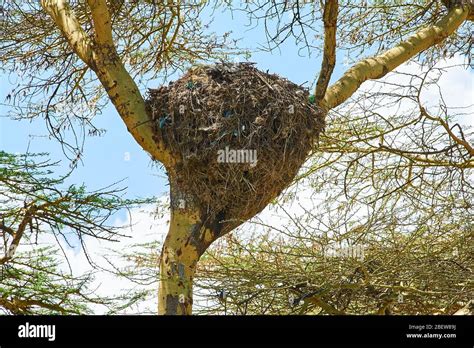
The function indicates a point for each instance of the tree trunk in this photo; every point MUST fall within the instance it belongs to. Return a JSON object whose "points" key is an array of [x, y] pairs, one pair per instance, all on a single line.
{"points": [[188, 238], [177, 266]]}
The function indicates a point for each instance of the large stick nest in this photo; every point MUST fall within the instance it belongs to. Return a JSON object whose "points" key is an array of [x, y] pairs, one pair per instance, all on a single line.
{"points": [[234, 106]]}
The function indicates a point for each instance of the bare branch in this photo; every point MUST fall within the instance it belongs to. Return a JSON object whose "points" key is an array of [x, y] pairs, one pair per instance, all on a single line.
{"points": [[456, 139], [67, 22], [29, 213], [377, 67], [102, 21], [331, 10], [105, 61]]}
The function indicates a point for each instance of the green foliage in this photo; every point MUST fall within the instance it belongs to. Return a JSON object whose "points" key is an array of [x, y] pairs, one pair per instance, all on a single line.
{"points": [[35, 206]]}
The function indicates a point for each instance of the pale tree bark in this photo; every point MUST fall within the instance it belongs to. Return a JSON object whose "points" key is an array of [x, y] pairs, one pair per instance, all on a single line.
{"points": [[190, 233], [379, 66], [181, 251], [100, 54], [178, 261]]}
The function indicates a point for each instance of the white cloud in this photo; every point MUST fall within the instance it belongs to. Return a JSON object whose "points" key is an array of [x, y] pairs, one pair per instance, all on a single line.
{"points": [[455, 86], [146, 227], [142, 225]]}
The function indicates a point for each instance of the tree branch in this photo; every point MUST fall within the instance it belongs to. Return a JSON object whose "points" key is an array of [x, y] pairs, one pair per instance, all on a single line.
{"points": [[453, 136], [316, 300], [453, 3], [20, 306], [103, 59], [27, 219], [7, 229], [377, 67], [64, 17], [331, 10], [102, 21]]}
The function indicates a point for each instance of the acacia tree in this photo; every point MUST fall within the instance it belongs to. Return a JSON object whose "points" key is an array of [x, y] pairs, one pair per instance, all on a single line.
{"points": [[386, 229], [38, 215], [60, 48], [377, 222]]}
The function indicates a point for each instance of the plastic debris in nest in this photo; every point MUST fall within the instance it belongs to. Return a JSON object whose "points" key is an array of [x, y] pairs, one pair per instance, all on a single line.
{"points": [[239, 135]]}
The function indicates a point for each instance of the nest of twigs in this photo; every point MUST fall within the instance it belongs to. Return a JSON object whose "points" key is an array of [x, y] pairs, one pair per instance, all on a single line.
{"points": [[212, 113]]}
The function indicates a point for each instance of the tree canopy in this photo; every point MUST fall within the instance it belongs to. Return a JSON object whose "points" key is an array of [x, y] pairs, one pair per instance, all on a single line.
{"points": [[385, 149], [39, 217]]}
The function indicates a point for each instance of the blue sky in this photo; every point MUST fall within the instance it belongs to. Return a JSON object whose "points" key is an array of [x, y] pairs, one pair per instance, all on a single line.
{"points": [[116, 156]]}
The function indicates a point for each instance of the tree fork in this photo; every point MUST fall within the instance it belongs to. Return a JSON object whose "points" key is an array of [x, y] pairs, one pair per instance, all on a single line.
{"points": [[379, 66], [99, 54]]}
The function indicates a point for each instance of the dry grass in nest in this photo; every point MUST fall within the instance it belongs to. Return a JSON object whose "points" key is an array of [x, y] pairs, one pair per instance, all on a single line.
{"points": [[234, 106]]}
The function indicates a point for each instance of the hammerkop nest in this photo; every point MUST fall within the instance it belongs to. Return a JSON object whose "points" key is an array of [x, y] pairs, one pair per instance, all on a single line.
{"points": [[239, 135]]}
